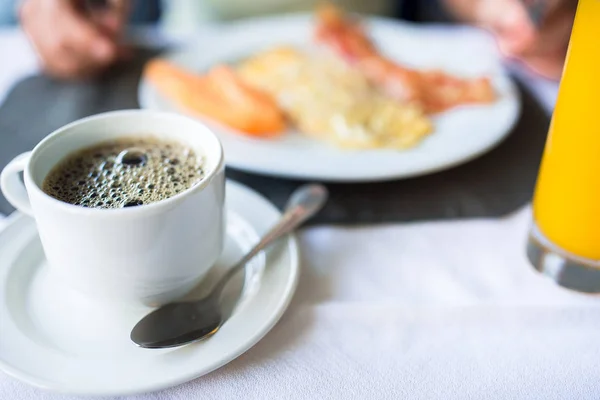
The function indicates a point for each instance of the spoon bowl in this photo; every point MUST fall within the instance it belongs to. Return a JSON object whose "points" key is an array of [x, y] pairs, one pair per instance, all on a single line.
{"points": [[176, 324], [179, 323]]}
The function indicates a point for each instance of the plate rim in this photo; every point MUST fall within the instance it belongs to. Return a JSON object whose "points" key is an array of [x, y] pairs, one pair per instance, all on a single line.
{"points": [[194, 42], [293, 250]]}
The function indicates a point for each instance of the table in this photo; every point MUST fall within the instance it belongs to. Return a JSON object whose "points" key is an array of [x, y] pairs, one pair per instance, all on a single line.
{"points": [[419, 310]]}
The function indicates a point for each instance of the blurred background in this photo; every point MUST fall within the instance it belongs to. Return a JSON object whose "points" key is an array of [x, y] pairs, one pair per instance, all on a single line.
{"points": [[68, 50], [77, 37]]}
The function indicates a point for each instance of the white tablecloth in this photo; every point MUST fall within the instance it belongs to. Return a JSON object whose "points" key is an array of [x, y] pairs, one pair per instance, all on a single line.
{"points": [[421, 310]]}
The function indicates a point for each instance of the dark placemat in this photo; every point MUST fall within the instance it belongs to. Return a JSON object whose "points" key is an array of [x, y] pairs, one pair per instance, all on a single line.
{"points": [[495, 184]]}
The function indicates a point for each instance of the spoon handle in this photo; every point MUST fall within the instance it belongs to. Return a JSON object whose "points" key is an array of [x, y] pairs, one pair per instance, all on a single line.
{"points": [[305, 202]]}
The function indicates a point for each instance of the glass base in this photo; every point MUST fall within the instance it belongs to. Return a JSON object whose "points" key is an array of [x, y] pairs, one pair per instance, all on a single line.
{"points": [[565, 269]]}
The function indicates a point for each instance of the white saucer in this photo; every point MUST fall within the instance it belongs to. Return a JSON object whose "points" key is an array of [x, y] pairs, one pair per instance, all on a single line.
{"points": [[58, 339]]}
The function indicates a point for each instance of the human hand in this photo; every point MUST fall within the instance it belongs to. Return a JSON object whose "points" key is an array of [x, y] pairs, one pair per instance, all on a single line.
{"points": [[72, 40], [540, 46]]}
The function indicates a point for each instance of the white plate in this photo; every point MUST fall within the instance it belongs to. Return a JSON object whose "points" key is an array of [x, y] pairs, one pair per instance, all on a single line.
{"points": [[55, 338], [460, 134]]}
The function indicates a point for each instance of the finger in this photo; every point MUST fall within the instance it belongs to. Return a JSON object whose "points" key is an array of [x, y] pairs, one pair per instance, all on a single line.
{"points": [[51, 53], [509, 22], [557, 27], [552, 36], [60, 62], [53, 29], [84, 38], [111, 18], [517, 39]]}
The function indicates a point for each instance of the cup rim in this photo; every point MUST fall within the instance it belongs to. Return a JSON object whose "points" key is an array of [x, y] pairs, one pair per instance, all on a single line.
{"points": [[155, 207]]}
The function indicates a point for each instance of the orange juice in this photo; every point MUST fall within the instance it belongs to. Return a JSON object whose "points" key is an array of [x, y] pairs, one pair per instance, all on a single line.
{"points": [[567, 200]]}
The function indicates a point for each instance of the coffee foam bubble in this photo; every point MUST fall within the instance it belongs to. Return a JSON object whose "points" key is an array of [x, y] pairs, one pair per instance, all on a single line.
{"points": [[123, 173]]}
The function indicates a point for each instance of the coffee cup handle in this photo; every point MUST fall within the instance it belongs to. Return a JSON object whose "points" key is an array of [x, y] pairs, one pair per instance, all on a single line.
{"points": [[13, 187]]}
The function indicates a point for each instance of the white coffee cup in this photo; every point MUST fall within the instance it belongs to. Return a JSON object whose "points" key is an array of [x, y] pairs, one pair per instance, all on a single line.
{"points": [[152, 253]]}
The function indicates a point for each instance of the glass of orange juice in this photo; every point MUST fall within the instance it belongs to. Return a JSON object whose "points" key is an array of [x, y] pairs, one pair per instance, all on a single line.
{"points": [[564, 243]]}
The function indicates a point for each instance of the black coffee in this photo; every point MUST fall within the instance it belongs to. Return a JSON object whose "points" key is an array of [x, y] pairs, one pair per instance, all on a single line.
{"points": [[124, 173]]}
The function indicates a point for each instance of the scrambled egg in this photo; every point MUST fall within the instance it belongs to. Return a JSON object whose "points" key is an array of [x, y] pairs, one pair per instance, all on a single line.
{"points": [[326, 99]]}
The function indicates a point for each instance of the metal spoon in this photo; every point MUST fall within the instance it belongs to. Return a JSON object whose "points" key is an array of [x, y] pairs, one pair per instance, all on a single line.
{"points": [[179, 323]]}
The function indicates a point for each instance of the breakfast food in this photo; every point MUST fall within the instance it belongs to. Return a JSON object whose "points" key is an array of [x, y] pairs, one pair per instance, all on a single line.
{"points": [[343, 91], [328, 100], [124, 173], [435, 91], [220, 95]]}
